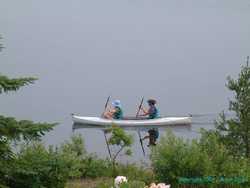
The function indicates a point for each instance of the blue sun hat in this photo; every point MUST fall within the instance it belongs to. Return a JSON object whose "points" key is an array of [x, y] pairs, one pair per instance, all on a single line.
{"points": [[116, 103]]}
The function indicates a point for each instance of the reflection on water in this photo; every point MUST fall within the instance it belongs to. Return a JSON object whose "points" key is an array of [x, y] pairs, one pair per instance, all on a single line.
{"points": [[129, 128]]}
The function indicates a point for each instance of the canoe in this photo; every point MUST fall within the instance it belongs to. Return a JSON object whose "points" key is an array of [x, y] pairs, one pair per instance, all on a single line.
{"points": [[97, 122]]}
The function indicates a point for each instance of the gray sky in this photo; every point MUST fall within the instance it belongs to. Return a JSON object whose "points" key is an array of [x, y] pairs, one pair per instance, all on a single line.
{"points": [[178, 51]]}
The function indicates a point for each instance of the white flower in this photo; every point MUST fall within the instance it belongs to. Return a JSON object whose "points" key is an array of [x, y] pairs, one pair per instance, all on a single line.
{"points": [[153, 185], [3, 138], [160, 185], [163, 185], [119, 180]]}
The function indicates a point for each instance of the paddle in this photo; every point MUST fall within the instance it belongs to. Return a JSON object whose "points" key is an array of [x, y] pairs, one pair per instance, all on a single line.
{"points": [[139, 134], [137, 114], [106, 105], [106, 140]]}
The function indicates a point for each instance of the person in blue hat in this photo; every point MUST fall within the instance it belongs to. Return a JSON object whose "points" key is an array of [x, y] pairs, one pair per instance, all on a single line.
{"points": [[115, 111]]}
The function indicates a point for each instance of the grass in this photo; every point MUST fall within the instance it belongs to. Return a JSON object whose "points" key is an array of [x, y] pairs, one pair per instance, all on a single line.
{"points": [[89, 182]]}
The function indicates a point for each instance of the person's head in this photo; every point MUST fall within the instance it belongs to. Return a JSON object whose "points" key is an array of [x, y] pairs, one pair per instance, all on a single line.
{"points": [[151, 102], [116, 104]]}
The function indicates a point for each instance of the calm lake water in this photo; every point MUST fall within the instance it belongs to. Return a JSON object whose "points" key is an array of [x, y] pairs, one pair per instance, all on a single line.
{"points": [[179, 52]]}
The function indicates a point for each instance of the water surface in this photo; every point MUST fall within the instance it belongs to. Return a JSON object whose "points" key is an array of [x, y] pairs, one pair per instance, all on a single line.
{"points": [[179, 52]]}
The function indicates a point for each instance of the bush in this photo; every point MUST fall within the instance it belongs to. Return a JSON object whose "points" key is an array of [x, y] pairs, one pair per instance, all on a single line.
{"points": [[92, 167], [133, 184], [75, 145], [37, 166], [134, 172], [90, 182], [223, 163], [175, 157]]}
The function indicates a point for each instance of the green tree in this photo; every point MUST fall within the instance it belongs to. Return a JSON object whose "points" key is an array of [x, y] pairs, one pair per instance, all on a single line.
{"points": [[120, 139], [235, 132], [12, 130]]}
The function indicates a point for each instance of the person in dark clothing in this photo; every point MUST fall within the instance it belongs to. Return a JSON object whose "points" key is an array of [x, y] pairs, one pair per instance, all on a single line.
{"points": [[152, 113]]}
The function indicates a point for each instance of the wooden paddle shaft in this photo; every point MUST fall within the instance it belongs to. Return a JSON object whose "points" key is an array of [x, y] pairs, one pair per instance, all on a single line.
{"points": [[137, 114]]}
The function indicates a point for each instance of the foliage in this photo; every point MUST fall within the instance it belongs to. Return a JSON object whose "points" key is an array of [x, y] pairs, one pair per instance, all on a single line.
{"points": [[8, 84], [76, 145], [12, 130], [121, 140], [223, 162], [175, 157], [36, 166], [134, 172], [119, 137], [27, 130], [133, 184], [92, 167], [213, 180], [235, 132], [89, 182]]}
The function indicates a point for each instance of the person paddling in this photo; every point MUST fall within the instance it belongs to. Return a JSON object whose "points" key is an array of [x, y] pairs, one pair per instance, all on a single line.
{"points": [[114, 112], [152, 113]]}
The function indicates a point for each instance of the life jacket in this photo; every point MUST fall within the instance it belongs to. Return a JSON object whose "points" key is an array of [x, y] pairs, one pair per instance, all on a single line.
{"points": [[118, 114], [153, 112]]}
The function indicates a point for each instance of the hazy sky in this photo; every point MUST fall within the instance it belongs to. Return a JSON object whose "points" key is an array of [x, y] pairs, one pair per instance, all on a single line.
{"points": [[178, 51]]}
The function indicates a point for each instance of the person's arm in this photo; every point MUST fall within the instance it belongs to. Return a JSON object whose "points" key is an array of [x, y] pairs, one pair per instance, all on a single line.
{"points": [[145, 112], [112, 111]]}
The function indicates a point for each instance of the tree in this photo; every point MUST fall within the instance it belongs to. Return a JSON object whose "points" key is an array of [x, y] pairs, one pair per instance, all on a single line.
{"points": [[120, 139], [13, 130], [7, 84], [235, 132]]}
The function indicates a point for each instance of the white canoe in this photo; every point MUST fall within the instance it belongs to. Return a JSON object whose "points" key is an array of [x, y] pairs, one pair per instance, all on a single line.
{"points": [[97, 122]]}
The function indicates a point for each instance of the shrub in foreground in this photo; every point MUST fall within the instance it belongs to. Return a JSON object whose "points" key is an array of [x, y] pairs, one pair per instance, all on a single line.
{"points": [[175, 157], [37, 166], [93, 167], [134, 172]]}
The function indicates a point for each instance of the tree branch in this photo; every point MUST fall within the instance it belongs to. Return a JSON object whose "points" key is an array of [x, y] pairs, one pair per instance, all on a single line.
{"points": [[7, 84], [115, 156]]}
